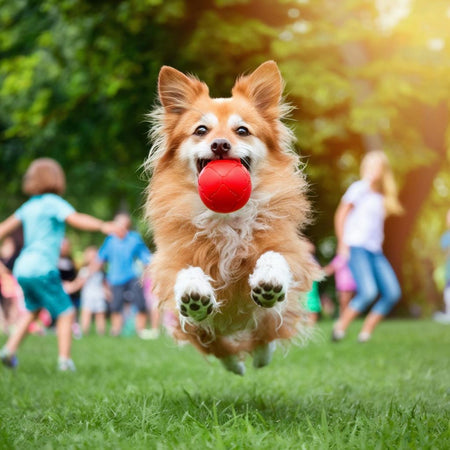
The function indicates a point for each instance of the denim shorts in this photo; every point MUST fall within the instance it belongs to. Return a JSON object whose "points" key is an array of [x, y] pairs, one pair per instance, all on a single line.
{"points": [[131, 292], [375, 279], [45, 291]]}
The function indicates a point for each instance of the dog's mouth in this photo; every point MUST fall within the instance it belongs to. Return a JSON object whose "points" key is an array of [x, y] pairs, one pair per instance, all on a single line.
{"points": [[202, 163]]}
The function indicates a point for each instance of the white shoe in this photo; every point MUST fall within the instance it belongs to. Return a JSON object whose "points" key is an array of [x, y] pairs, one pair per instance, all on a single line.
{"points": [[364, 336], [337, 335], [149, 334], [66, 365]]}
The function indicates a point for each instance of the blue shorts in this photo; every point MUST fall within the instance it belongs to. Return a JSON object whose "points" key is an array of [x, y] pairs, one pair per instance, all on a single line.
{"points": [[131, 292], [45, 291]]}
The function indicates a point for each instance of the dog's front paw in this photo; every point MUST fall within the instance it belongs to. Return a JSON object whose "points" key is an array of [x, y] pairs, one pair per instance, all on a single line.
{"points": [[267, 294], [194, 294], [271, 279]]}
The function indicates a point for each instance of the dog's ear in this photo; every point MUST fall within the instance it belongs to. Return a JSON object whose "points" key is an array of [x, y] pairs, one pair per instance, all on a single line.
{"points": [[263, 87], [177, 90]]}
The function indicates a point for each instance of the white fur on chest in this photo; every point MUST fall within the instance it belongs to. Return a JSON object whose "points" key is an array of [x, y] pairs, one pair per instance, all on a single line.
{"points": [[231, 234]]}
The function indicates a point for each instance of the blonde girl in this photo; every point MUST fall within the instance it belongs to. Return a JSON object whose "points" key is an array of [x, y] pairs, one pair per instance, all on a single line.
{"points": [[359, 223], [43, 218]]}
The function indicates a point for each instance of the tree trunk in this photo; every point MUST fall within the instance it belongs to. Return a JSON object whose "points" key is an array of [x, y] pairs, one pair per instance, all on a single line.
{"points": [[417, 185]]}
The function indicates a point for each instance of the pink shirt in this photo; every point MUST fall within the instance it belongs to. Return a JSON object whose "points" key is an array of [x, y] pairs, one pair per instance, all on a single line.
{"points": [[342, 274]]}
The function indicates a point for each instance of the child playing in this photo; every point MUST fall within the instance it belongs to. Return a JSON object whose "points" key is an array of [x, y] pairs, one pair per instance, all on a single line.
{"points": [[345, 284], [444, 317], [313, 304], [359, 223], [43, 218], [93, 294]]}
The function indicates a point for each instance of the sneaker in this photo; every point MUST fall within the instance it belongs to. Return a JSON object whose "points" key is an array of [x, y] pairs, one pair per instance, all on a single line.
{"points": [[66, 365], [364, 337], [8, 359], [337, 335], [149, 334]]}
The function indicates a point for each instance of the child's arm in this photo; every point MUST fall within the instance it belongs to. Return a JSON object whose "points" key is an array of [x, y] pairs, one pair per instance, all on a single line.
{"points": [[329, 269], [74, 286], [339, 221], [9, 225], [3, 269], [90, 223]]}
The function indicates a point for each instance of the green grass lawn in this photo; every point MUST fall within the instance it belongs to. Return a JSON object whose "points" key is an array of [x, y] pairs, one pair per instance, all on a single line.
{"points": [[390, 393]]}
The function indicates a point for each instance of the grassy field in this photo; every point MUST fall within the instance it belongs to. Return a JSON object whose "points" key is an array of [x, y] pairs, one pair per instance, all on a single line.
{"points": [[390, 393]]}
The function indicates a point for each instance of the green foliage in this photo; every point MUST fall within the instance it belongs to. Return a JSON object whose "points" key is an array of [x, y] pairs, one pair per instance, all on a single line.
{"points": [[389, 393]]}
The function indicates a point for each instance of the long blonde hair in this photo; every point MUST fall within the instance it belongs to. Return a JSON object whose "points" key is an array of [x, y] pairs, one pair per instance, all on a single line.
{"points": [[386, 185]]}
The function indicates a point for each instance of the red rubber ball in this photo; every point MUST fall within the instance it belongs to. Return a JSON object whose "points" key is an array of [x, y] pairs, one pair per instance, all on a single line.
{"points": [[224, 185]]}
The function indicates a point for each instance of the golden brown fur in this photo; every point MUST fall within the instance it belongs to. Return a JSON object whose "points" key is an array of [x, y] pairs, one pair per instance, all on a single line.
{"points": [[227, 247]]}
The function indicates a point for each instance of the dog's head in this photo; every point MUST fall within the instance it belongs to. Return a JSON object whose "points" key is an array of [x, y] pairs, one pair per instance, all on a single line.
{"points": [[193, 128]]}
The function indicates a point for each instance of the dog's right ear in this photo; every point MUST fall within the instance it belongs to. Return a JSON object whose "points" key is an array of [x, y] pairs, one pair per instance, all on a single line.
{"points": [[177, 91]]}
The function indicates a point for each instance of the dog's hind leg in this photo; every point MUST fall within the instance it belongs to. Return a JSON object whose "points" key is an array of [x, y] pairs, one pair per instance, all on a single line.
{"points": [[262, 355], [270, 280], [194, 295], [233, 364]]}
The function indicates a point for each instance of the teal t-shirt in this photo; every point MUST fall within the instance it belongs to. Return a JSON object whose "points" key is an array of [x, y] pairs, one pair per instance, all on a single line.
{"points": [[43, 220]]}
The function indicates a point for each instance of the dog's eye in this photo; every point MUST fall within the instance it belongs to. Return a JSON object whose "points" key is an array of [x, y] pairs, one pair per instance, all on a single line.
{"points": [[243, 131], [201, 130]]}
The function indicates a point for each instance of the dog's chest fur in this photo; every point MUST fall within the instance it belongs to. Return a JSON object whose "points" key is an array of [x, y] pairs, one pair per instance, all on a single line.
{"points": [[232, 236]]}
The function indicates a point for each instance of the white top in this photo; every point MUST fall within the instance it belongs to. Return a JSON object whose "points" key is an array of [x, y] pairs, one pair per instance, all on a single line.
{"points": [[93, 286], [364, 226]]}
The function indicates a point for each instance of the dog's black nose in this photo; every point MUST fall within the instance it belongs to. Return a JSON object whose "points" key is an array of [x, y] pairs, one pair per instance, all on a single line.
{"points": [[220, 147]]}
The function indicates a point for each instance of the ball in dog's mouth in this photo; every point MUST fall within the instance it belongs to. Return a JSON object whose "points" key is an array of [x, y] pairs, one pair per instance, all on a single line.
{"points": [[224, 185], [202, 163]]}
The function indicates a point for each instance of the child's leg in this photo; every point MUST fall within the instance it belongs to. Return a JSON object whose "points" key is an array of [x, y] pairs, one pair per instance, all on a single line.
{"points": [[141, 320], [85, 320], [3, 323], [100, 323], [447, 298], [140, 304], [64, 333], [155, 317], [117, 302], [15, 339], [344, 300], [116, 323], [371, 321], [361, 265]]}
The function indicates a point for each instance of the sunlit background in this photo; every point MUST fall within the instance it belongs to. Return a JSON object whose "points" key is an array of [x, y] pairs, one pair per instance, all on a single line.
{"points": [[77, 77]]}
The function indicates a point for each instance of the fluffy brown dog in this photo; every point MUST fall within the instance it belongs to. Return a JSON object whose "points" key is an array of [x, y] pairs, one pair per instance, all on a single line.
{"points": [[233, 280]]}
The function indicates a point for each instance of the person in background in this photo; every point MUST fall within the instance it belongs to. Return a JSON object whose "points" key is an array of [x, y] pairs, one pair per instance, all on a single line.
{"points": [[93, 287], [359, 223], [43, 218], [343, 278], [10, 292], [313, 304], [155, 314], [444, 317], [68, 272], [120, 254]]}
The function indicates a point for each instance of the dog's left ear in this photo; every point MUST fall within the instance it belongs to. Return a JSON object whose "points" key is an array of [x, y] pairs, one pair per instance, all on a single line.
{"points": [[263, 87], [177, 91]]}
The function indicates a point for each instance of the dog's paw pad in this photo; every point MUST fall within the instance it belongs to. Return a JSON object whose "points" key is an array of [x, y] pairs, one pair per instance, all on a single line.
{"points": [[196, 306], [267, 295]]}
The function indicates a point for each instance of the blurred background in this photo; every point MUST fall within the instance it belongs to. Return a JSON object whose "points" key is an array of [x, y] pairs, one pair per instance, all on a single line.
{"points": [[77, 78]]}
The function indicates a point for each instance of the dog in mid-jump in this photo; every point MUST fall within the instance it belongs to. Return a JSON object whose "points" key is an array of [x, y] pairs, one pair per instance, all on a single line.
{"points": [[233, 280]]}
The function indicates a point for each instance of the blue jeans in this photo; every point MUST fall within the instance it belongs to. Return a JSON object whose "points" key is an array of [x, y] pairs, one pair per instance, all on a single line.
{"points": [[374, 276]]}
